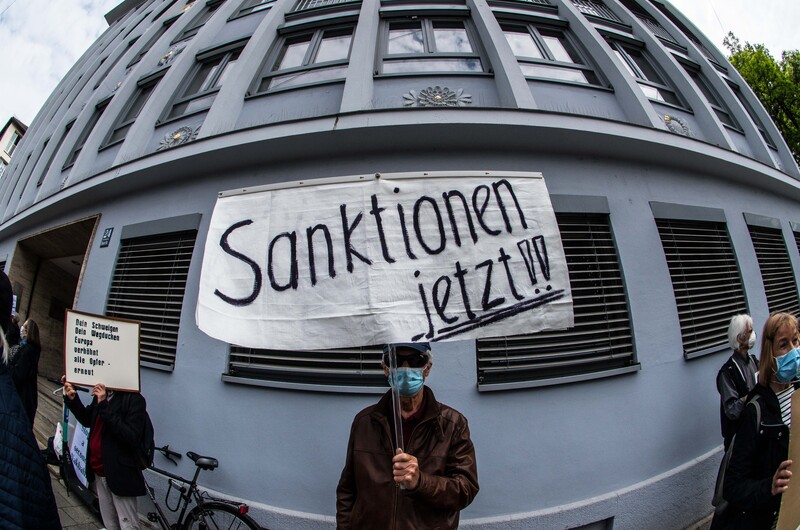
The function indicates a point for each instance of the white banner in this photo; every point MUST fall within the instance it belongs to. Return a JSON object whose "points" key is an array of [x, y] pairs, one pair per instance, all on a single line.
{"points": [[100, 349], [376, 259], [78, 450]]}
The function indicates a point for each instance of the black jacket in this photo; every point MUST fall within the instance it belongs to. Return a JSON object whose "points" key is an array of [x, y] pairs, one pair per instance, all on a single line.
{"points": [[758, 450], [26, 493], [123, 416], [24, 365]]}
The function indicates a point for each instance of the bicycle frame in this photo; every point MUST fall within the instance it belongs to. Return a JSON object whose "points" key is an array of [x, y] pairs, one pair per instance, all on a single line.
{"points": [[186, 496]]}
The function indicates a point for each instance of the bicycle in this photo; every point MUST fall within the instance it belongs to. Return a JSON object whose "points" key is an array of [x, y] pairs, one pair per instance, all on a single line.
{"points": [[208, 512]]}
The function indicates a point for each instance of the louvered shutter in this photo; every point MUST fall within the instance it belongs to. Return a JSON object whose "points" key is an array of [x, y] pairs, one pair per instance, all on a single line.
{"points": [[601, 340], [148, 285], [705, 279], [776, 269]]}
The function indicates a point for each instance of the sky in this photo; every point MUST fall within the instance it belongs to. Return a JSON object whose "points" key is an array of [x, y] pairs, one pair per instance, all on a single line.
{"points": [[42, 39]]}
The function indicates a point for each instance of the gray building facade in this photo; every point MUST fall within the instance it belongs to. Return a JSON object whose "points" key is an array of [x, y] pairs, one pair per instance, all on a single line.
{"points": [[676, 198]]}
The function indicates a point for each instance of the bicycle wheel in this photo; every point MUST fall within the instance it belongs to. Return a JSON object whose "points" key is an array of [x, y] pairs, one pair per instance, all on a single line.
{"points": [[218, 516]]}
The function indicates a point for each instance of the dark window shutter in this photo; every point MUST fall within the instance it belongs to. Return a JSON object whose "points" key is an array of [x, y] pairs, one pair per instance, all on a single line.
{"points": [[776, 269], [601, 339], [706, 280], [148, 285]]}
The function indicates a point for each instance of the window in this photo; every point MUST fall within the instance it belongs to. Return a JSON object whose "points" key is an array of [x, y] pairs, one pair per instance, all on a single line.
{"points": [[11, 146], [98, 111], [776, 269], [54, 152], [648, 21], [596, 8], [429, 45], [547, 53], [351, 367], [3, 167], [600, 344], [209, 74], [705, 279], [129, 115], [750, 112], [149, 44], [316, 56], [712, 98], [199, 21], [641, 67], [303, 5], [148, 285], [252, 6]]}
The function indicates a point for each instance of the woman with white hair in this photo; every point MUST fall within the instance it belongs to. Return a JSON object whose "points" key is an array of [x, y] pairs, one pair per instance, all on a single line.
{"points": [[738, 375]]}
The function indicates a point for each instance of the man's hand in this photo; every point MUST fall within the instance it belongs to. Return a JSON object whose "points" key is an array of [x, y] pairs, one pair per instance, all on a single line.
{"points": [[99, 390], [406, 470], [780, 482], [69, 390]]}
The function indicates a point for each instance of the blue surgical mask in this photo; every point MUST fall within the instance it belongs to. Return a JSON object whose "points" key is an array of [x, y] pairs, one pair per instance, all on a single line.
{"points": [[409, 381], [787, 366]]}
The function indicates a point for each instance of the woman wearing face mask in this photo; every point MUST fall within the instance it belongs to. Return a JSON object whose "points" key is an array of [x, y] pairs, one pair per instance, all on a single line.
{"points": [[24, 366], [737, 377], [759, 471]]}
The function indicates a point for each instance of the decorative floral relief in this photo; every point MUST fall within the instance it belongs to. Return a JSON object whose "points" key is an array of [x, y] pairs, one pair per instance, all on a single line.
{"points": [[171, 54], [437, 97], [677, 125], [178, 137]]}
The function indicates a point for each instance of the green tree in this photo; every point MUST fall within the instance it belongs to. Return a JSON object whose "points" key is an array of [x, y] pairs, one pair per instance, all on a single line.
{"points": [[776, 83]]}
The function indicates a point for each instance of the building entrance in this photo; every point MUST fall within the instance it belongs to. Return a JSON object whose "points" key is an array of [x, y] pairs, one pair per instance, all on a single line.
{"points": [[46, 272]]}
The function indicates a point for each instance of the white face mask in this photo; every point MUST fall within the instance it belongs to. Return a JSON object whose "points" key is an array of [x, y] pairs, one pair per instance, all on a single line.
{"points": [[751, 341]]}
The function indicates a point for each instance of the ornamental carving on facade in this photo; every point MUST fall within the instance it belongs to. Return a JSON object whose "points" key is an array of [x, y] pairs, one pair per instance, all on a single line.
{"points": [[178, 137], [437, 96], [171, 54], [677, 125]]}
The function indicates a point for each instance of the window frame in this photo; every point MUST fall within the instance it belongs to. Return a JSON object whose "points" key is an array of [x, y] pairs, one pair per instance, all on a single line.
{"points": [[576, 354], [549, 61], [774, 264], [714, 100], [703, 226], [124, 119], [429, 52], [227, 55], [271, 71], [13, 142], [249, 7], [80, 143], [198, 21], [625, 51], [182, 230]]}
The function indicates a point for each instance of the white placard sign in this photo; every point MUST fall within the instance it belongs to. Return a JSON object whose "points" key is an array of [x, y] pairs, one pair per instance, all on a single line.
{"points": [[100, 349], [376, 259], [77, 452]]}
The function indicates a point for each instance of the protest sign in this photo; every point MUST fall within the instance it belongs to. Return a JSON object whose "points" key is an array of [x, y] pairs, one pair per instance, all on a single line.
{"points": [[789, 516], [384, 258], [77, 452], [100, 349]]}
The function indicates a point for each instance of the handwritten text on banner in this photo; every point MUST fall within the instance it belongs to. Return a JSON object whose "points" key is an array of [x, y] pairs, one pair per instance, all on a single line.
{"points": [[397, 258]]}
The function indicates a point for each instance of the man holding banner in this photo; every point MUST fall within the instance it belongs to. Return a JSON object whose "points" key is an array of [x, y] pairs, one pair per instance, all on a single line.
{"points": [[116, 421], [422, 485]]}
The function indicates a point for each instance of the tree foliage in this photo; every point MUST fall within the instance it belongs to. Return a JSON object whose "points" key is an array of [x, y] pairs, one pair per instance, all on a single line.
{"points": [[776, 83]]}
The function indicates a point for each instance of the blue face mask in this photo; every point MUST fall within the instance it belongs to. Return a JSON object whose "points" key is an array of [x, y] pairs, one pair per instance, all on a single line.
{"points": [[409, 381], [787, 366]]}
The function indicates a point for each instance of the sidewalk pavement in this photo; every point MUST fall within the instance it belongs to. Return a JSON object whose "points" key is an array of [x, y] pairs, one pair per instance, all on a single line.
{"points": [[74, 514]]}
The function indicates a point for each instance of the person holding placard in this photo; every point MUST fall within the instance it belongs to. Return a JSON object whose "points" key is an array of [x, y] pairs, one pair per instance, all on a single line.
{"points": [[116, 421], [424, 484], [24, 366], [759, 472]]}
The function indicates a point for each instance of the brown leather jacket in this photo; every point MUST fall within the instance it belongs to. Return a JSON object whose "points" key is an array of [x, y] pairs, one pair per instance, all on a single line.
{"points": [[367, 497]]}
